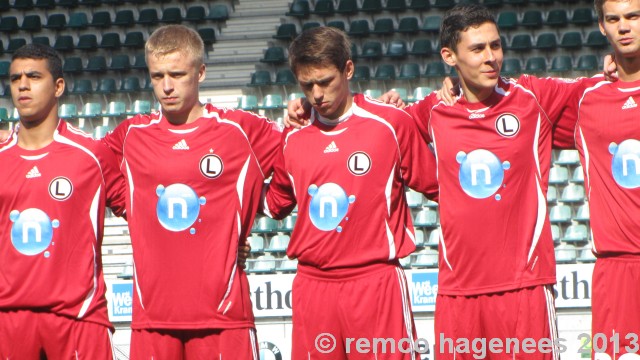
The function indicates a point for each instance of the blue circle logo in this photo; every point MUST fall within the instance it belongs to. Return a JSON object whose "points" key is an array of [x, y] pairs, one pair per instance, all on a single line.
{"points": [[32, 231], [625, 165], [481, 173], [178, 207], [328, 206]]}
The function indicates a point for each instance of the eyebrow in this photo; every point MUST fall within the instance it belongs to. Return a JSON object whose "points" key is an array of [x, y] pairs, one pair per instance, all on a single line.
{"points": [[27, 73]]}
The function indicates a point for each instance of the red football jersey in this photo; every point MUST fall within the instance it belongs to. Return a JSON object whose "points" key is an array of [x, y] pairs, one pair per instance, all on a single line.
{"points": [[52, 208], [608, 140], [192, 194], [493, 161], [349, 183]]}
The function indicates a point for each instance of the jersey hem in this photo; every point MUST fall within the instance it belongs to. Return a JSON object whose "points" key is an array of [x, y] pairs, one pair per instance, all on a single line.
{"points": [[192, 326]]}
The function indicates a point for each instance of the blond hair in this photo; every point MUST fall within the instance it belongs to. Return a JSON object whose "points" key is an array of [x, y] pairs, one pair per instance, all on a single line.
{"points": [[175, 38]]}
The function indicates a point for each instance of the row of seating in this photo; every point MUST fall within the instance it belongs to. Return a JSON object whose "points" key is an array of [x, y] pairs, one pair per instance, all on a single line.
{"points": [[25, 5], [535, 19], [123, 18]]}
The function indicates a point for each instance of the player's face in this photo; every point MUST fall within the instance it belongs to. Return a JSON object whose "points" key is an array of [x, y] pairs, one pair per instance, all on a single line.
{"points": [[327, 88], [34, 91], [176, 82], [478, 59], [621, 25]]}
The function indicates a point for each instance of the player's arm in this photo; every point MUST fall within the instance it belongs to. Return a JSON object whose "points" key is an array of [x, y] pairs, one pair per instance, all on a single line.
{"points": [[114, 140], [279, 196], [4, 135], [115, 186]]}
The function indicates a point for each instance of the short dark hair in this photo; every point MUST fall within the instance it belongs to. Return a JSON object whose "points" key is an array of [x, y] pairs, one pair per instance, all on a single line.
{"points": [[599, 5], [459, 19], [320, 46], [41, 52]]}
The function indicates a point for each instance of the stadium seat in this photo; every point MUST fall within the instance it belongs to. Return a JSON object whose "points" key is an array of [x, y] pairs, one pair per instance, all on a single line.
{"points": [[535, 65], [73, 65], [560, 214], [576, 234], [14, 44], [572, 193], [115, 108], [596, 40], [568, 157], [371, 50], [286, 31], [195, 14], [97, 64], [421, 47], [337, 24], [23, 5], [384, 72], [395, 6], [82, 87], [140, 107], [373, 93], [139, 62], [148, 17], [587, 62], [248, 102], [396, 49], [578, 175], [408, 25], [40, 4], [110, 41], [383, 27], [409, 71], [31, 23], [286, 225], [558, 175], [443, 4], [124, 18], [256, 242], [557, 18], [120, 62], [426, 218], [347, 7], [359, 28], [106, 86], [274, 55], [310, 25], [547, 42], [431, 24], [101, 19], [492, 3], [434, 238], [278, 243], [419, 237], [511, 67], [285, 77], [586, 255], [414, 198], [425, 258], [260, 78], [4, 68], [272, 101], [91, 110], [263, 264], [571, 40], [55, 22], [87, 42], [218, 12], [69, 4], [419, 5], [299, 9], [78, 21], [9, 24], [582, 214], [555, 234], [208, 35], [532, 19], [99, 132], [287, 265], [130, 84], [371, 6], [134, 40], [521, 43], [435, 70], [354, 51], [582, 17], [324, 8], [552, 194], [507, 20], [565, 253], [172, 15], [68, 111], [561, 63], [90, 3], [264, 224], [421, 92], [541, 2], [361, 73]]}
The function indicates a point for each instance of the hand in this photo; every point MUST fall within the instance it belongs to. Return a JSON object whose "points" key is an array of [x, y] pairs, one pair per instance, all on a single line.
{"points": [[298, 112], [4, 135], [610, 68], [393, 98], [243, 254], [448, 91]]}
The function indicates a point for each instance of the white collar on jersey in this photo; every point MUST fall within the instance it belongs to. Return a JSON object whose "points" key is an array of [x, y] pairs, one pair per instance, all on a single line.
{"points": [[344, 117]]}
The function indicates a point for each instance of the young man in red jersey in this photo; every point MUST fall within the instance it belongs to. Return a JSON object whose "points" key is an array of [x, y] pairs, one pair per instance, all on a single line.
{"points": [[347, 172], [607, 136], [194, 175], [57, 181]]}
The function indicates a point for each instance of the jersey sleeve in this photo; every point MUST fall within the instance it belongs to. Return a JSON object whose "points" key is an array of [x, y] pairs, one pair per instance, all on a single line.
{"points": [[263, 134], [114, 140], [417, 161], [420, 111], [280, 198], [113, 178]]}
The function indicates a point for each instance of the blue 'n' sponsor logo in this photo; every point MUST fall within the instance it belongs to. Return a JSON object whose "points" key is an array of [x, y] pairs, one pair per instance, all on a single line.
{"points": [[625, 164], [481, 173], [178, 207], [423, 288], [328, 206], [32, 231]]}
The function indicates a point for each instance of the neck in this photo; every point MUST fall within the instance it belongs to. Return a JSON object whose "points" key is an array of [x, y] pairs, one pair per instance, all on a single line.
{"points": [[474, 95], [182, 119], [35, 136], [628, 68]]}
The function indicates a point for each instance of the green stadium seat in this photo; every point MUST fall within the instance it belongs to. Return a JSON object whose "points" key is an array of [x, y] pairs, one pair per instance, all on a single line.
{"points": [[561, 63], [373, 93], [110, 41], [97, 64], [90, 3], [409, 71], [582, 17], [396, 6], [359, 28], [547, 42], [23, 5], [521, 43], [56, 22], [361, 73], [286, 31], [383, 27], [87, 42], [596, 40], [408, 25], [140, 107], [431, 24], [310, 25], [124, 18], [274, 55], [78, 21], [101, 19], [260, 78], [566, 253], [4, 68], [532, 19], [338, 24], [148, 17], [81, 87], [208, 35], [571, 40], [511, 67], [69, 4], [120, 62], [218, 12], [172, 15], [560, 214], [421, 47], [396, 49], [272, 101], [68, 111], [354, 51], [347, 7], [99, 132], [195, 14], [324, 8], [299, 9], [587, 62], [516, 2], [64, 43], [443, 4], [91, 110], [106, 86], [42, 40], [384, 72], [572, 193], [371, 50], [248, 102], [419, 5], [9, 24], [115, 109], [130, 84], [541, 2], [43, 4], [15, 44], [507, 20], [492, 3], [435, 69], [285, 77], [371, 6], [31, 23], [134, 39], [421, 92], [557, 18], [139, 62]]}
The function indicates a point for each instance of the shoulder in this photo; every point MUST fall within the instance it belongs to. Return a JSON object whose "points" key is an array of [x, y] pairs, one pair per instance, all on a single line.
{"points": [[377, 109]]}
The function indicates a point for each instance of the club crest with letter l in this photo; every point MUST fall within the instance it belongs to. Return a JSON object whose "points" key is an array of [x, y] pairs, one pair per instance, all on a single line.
{"points": [[507, 125], [211, 165]]}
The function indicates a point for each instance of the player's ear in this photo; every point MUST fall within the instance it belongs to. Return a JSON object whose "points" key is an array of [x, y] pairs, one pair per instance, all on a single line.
{"points": [[349, 69], [59, 86], [448, 56]]}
